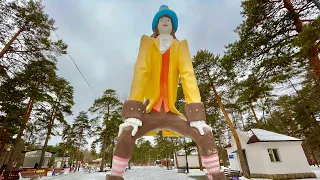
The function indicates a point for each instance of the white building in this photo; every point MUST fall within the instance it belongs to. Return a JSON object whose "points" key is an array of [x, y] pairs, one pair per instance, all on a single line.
{"points": [[60, 161], [193, 160], [270, 155], [33, 157]]}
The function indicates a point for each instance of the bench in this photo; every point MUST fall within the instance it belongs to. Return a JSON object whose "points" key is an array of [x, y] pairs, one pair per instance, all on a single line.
{"points": [[232, 174], [42, 172], [58, 171], [11, 175], [29, 174]]}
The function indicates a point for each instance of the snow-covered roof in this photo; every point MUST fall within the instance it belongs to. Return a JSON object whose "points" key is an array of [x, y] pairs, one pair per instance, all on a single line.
{"points": [[260, 135]]}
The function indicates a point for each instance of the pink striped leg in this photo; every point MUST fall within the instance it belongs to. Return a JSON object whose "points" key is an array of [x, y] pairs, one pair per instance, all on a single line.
{"points": [[212, 164], [119, 166]]}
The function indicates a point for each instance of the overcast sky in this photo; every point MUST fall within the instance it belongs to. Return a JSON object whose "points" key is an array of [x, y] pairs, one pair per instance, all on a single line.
{"points": [[103, 37]]}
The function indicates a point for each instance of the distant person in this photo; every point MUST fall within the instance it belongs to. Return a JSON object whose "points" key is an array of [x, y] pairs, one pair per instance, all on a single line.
{"points": [[36, 165]]}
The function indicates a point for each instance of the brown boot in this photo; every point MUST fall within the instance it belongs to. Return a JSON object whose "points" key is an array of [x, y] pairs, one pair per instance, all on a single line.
{"points": [[111, 177], [219, 176]]}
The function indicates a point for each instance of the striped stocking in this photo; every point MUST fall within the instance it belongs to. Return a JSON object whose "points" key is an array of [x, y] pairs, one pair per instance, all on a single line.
{"points": [[119, 166], [212, 164]]}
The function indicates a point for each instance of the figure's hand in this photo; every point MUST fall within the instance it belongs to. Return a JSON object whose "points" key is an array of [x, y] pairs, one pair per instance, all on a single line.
{"points": [[134, 122], [200, 125]]}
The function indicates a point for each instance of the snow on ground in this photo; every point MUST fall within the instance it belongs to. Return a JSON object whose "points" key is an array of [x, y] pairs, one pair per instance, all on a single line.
{"points": [[136, 173], [147, 173], [316, 170]]}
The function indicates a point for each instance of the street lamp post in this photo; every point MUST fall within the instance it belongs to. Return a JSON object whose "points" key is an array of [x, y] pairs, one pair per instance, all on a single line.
{"points": [[185, 151]]}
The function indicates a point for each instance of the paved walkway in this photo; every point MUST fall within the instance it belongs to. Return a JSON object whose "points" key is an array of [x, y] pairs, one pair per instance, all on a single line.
{"points": [[146, 173], [136, 173]]}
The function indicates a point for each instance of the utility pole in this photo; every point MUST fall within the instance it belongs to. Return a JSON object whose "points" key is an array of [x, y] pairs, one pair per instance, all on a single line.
{"points": [[185, 151]]}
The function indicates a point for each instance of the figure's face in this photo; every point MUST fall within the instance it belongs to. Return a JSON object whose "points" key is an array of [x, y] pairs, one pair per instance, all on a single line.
{"points": [[165, 25]]}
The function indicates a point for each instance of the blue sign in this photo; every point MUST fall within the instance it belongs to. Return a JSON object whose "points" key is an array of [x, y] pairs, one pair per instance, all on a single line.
{"points": [[230, 156]]}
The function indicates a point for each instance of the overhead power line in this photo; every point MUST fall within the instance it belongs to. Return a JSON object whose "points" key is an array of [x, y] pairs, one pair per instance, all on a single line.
{"points": [[76, 66]]}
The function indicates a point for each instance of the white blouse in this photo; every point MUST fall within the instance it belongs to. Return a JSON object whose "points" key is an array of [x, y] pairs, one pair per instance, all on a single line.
{"points": [[165, 42]]}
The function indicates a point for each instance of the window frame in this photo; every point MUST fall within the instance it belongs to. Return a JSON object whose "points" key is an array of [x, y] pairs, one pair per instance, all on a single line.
{"points": [[274, 155]]}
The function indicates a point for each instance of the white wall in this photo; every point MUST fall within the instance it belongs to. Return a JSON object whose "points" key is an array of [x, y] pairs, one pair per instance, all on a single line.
{"points": [[193, 161], [293, 159], [253, 154], [58, 164], [29, 162], [234, 163], [255, 158]]}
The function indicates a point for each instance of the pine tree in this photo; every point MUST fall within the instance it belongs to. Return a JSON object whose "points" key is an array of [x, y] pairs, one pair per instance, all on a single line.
{"points": [[61, 105], [34, 82], [267, 40], [104, 106], [82, 129], [208, 69], [26, 34]]}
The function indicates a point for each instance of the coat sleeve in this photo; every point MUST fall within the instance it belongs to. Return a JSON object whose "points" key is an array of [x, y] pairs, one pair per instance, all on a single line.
{"points": [[186, 72], [141, 70]]}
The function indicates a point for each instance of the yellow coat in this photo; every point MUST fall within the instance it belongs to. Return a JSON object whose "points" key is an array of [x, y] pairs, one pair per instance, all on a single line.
{"points": [[147, 71]]}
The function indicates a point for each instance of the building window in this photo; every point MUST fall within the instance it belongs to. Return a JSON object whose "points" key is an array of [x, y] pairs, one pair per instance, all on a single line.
{"points": [[274, 155]]}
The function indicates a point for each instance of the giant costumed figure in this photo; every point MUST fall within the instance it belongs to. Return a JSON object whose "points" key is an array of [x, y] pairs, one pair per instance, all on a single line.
{"points": [[161, 61]]}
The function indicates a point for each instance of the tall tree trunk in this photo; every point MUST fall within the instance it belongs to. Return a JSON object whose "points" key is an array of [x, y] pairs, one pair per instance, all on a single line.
{"points": [[254, 114], [51, 123], [79, 152], [176, 159], [4, 139], [233, 130], [103, 150], [221, 147], [234, 133], [7, 46], [23, 125], [111, 159], [26, 117], [199, 159], [103, 153], [62, 162], [313, 57]]}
